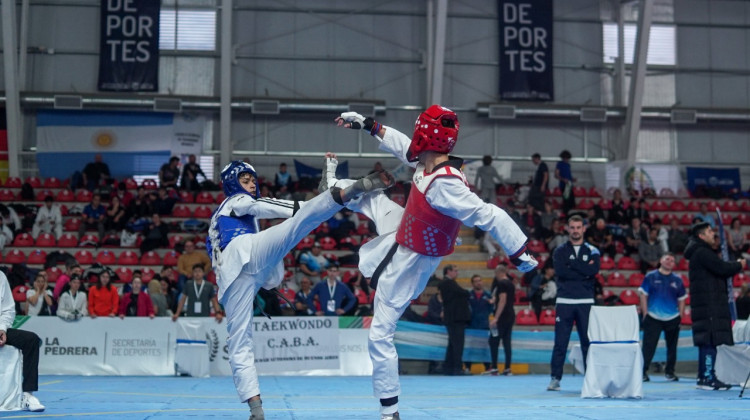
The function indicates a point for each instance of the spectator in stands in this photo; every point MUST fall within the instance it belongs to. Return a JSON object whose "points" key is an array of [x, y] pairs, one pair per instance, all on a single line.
{"points": [[576, 266], [169, 173], [94, 173], [123, 194], [650, 252], [677, 238], [116, 216], [39, 298], [549, 214], [313, 262], [600, 236], [637, 209], [301, 304], [617, 213], [71, 269], [564, 175], [743, 302], [736, 239], [540, 183], [6, 235], [170, 293], [543, 289], [136, 302], [187, 260], [335, 297], [93, 216], [531, 222], [456, 316], [140, 206], [26, 341], [634, 235], [198, 296], [103, 297], [48, 219], [364, 295], [504, 316], [485, 181], [155, 235], [712, 323], [10, 219], [72, 304], [434, 314], [158, 298], [705, 215], [282, 181], [662, 236], [662, 295], [164, 203], [190, 172], [557, 237], [289, 294]]}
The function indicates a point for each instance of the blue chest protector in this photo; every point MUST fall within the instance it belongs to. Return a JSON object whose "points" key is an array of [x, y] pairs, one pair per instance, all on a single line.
{"points": [[229, 227]]}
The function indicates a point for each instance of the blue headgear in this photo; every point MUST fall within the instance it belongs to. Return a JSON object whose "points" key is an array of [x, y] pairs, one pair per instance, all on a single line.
{"points": [[230, 178]]}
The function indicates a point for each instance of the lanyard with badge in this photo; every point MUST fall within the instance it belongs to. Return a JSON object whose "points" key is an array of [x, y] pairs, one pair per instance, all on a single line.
{"points": [[198, 305], [331, 306]]}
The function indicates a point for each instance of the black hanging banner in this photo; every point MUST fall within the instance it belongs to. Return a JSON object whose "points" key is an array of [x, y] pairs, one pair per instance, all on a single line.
{"points": [[129, 49], [526, 50]]}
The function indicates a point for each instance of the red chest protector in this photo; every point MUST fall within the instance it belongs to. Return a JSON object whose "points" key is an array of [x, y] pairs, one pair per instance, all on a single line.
{"points": [[423, 229]]}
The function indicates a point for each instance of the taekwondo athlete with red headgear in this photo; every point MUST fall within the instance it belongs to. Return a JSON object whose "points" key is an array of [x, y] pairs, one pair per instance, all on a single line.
{"points": [[400, 263], [247, 259]]}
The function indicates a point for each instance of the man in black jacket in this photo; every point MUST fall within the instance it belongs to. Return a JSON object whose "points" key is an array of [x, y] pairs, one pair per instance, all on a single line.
{"points": [[456, 315], [712, 322], [576, 264]]}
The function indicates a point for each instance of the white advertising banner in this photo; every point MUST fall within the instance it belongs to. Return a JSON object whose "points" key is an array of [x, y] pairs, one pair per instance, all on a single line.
{"points": [[641, 176], [105, 346]]}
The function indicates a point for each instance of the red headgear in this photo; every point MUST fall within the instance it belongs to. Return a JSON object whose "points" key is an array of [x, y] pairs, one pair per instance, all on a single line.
{"points": [[436, 129]]}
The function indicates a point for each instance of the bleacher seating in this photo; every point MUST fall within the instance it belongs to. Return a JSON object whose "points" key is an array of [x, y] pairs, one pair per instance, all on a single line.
{"points": [[52, 274], [327, 243], [170, 258], [149, 184], [629, 297], [181, 210], [635, 280], [23, 239], [127, 258], [106, 257], [45, 240], [124, 274], [526, 317], [15, 256], [7, 195], [37, 256], [150, 258], [13, 182], [147, 274], [606, 263], [52, 182], [204, 197], [83, 195], [202, 212], [68, 240], [626, 263], [687, 317], [65, 195], [616, 279], [547, 317], [84, 257]]}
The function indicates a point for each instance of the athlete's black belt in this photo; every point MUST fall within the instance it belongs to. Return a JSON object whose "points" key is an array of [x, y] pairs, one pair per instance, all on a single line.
{"points": [[382, 265]]}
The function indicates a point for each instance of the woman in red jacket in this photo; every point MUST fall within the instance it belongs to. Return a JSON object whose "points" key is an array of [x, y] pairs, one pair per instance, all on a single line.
{"points": [[136, 302], [103, 298]]}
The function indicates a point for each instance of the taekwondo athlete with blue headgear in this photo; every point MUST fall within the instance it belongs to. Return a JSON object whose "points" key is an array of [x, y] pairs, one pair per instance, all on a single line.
{"points": [[247, 259]]}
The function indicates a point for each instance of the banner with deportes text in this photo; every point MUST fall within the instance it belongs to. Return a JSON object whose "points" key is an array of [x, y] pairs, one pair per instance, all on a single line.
{"points": [[131, 143]]}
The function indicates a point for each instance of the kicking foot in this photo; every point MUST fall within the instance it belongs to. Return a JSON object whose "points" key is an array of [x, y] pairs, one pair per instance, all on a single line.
{"points": [[376, 181]]}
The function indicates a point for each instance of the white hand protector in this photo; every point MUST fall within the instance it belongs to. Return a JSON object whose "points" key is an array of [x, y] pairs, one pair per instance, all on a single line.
{"points": [[356, 120]]}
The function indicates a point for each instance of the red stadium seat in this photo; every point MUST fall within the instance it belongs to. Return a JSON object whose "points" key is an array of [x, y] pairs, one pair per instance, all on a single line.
{"points": [[83, 195], [72, 224], [42, 194], [130, 183], [526, 317], [659, 205], [745, 206], [65, 195], [174, 240], [23, 239], [666, 192], [150, 258], [46, 240], [685, 280], [181, 210], [289, 261], [149, 184], [606, 263], [186, 197], [744, 219], [626, 263], [147, 274], [327, 243], [739, 279], [7, 195], [520, 297], [635, 280], [686, 219], [593, 192], [579, 191], [605, 204], [84, 257], [127, 258], [536, 246], [687, 317], [712, 206], [607, 293], [13, 182], [677, 205], [730, 205], [51, 182], [171, 258], [204, 197], [367, 239], [68, 240], [615, 279], [219, 197], [124, 274], [363, 229], [547, 317], [305, 243], [687, 299], [348, 275], [52, 274], [34, 182], [726, 219], [202, 212], [211, 277], [349, 243], [585, 204], [693, 206], [629, 297], [19, 293], [89, 240], [111, 240], [667, 219], [106, 257], [37, 256]]}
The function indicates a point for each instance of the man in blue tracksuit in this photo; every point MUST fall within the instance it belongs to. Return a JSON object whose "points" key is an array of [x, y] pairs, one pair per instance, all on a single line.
{"points": [[576, 265]]}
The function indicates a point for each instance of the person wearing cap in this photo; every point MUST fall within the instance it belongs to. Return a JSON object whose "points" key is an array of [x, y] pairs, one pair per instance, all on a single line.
{"points": [[312, 263], [709, 294]]}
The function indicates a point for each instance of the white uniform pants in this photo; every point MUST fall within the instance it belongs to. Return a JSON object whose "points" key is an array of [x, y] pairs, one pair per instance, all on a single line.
{"points": [[264, 252]]}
